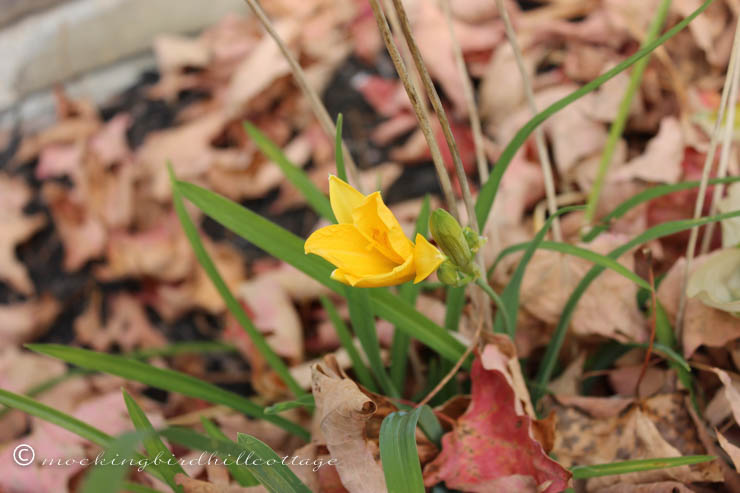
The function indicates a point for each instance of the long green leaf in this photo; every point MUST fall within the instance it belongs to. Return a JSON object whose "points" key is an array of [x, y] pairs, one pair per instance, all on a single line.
{"points": [[239, 473], [399, 454], [553, 349], [510, 295], [130, 487], [408, 292], [628, 466], [363, 323], [153, 444], [272, 359], [487, 193], [247, 452], [345, 338], [645, 196], [315, 198], [306, 401], [576, 251], [163, 379], [63, 420], [288, 247], [110, 477], [42, 411]]}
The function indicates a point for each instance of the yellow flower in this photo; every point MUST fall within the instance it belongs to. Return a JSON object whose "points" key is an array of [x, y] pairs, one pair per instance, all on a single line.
{"points": [[368, 246]]}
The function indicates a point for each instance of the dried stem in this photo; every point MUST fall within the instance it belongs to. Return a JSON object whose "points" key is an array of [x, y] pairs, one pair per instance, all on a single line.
{"points": [[416, 103], [483, 308], [313, 97], [706, 171], [475, 125], [439, 111], [453, 371], [539, 134], [724, 158]]}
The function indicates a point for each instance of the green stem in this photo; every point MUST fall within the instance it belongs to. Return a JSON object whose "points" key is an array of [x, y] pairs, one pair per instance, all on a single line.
{"points": [[499, 303], [615, 132]]}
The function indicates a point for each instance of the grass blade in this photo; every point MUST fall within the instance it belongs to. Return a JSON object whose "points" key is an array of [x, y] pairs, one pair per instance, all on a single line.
{"points": [[617, 127], [272, 359], [645, 196], [286, 246], [363, 323], [295, 175], [345, 338], [277, 478], [586, 472], [553, 349], [510, 294], [42, 411], [153, 444], [306, 401], [239, 473], [408, 292], [163, 379], [576, 251], [111, 477], [487, 193], [399, 454]]}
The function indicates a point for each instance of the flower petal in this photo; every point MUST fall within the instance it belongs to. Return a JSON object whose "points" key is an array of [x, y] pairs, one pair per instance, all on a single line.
{"points": [[716, 282], [381, 228], [343, 198], [426, 258], [401, 274], [348, 250]]}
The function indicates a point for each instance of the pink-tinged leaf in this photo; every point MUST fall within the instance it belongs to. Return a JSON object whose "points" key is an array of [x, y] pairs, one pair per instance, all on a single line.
{"points": [[492, 448]]}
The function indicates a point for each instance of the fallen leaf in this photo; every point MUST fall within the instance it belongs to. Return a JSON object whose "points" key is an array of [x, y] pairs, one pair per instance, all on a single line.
{"points": [[27, 320], [17, 228], [703, 325], [342, 412], [661, 161], [491, 447]]}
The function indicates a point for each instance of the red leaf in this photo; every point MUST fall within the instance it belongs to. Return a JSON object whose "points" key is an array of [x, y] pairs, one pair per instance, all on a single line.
{"points": [[492, 448]]}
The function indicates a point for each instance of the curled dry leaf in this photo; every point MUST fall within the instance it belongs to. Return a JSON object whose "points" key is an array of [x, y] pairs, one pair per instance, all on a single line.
{"points": [[342, 412], [492, 447], [661, 161]]}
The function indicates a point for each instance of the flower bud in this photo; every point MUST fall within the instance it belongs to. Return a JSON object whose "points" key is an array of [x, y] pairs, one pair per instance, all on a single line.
{"points": [[450, 238], [448, 274], [475, 241]]}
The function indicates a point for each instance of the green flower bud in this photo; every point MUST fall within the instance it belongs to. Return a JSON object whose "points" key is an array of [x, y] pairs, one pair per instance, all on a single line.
{"points": [[450, 238], [474, 240], [448, 274]]}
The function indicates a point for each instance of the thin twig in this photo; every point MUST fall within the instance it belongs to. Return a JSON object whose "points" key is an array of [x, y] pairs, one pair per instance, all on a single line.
{"points": [[453, 371], [724, 157], [313, 97], [706, 171], [539, 134], [439, 111], [416, 103], [475, 125]]}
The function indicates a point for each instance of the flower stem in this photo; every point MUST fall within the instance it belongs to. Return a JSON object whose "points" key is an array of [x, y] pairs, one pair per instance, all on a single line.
{"points": [[499, 303]]}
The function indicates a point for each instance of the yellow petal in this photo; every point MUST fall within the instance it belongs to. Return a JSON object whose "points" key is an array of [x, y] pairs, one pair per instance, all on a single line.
{"points": [[348, 250], [378, 224], [343, 198], [401, 274], [426, 258]]}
